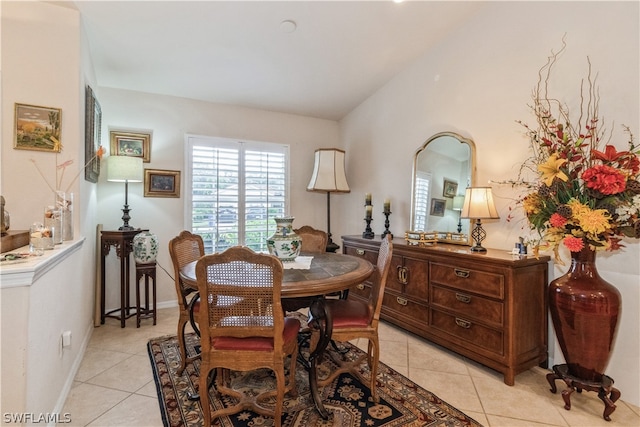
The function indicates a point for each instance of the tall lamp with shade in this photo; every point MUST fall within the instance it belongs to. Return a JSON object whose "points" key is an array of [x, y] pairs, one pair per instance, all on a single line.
{"points": [[125, 169], [329, 176], [458, 202], [478, 205]]}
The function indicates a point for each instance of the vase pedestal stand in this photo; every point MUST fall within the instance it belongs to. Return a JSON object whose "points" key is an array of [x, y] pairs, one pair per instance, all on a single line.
{"points": [[606, 391]]}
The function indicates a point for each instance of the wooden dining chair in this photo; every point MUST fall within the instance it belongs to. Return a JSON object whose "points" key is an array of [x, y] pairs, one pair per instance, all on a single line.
{"points": [[352, 319], [183, 249], [247, 335], [313, 240]]}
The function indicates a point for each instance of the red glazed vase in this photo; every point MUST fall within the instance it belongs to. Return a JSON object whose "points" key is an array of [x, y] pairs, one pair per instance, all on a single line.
{"points": [[585, 310]]}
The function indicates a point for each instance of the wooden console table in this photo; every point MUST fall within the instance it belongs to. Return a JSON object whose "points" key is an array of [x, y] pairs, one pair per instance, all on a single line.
{"points": [[123, 242]]}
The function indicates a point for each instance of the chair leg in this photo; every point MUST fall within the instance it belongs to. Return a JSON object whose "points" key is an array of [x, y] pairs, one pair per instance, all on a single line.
{"points": [[373, 360], [182, 323], [204, 394]]}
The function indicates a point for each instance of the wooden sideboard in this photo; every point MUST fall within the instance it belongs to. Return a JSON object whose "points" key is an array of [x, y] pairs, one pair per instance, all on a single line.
{"points": [[490, 307]]}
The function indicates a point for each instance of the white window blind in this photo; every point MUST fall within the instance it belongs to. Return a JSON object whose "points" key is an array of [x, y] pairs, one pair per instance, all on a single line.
{"points": [[421, 194], [235, 190]]}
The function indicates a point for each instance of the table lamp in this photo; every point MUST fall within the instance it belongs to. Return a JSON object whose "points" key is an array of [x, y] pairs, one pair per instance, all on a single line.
{"points": [[124, 169], [478, 204], [329, 176]]}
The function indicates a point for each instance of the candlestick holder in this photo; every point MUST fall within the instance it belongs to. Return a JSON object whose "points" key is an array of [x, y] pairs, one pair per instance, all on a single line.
{"points": [[368, 233], [386, 225]]}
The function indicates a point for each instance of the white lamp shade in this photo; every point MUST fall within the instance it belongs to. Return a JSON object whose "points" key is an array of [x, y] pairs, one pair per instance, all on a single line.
{"points": [[124, 169], [458, 202], [328, 172], [478, 204]]}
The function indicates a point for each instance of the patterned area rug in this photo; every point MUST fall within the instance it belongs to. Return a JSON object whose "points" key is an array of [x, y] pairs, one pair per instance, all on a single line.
{"points": [[402, 403]]}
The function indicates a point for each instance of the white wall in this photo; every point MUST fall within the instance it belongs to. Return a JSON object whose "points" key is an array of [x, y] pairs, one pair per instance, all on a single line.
{"points": [[170, 118], [477, 82], [43, 64]]}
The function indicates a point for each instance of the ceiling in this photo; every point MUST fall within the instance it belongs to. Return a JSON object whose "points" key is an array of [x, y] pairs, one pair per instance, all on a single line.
{"points": [[241, 53]]}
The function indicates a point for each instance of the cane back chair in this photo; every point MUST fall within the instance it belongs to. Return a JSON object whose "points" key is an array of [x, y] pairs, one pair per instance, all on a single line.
{"points": [[313, 240], [353, 319], [248, 335]]}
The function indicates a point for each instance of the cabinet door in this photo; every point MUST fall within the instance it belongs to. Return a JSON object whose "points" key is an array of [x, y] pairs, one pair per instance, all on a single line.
{"points": [[409, 277]]}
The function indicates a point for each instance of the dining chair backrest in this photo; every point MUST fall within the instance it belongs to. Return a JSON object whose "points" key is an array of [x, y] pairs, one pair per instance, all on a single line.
{"points": [[243, 290], [313, 240], [183, 249], [379, 277]]}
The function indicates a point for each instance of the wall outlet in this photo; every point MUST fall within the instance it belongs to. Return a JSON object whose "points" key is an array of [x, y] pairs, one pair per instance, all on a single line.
{"points": [[66, 338]]}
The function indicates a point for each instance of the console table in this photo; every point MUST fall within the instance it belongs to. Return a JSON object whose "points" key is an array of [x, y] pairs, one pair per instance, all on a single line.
{"points": [[490, 307], [123, 242]]}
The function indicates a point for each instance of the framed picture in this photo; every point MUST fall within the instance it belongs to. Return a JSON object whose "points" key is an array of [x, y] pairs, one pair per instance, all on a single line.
{"points": [[450, 188], [161, 183], [131, 144], [92, 136], [38, 128], [437, 207]]}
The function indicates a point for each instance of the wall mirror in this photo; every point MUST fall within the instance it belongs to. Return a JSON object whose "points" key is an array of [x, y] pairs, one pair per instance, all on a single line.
{"points": [[443, 167]]}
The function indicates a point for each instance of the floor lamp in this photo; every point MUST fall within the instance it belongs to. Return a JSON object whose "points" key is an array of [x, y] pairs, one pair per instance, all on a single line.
{"points": [[124, 169], [478, 204], [329, 176]]}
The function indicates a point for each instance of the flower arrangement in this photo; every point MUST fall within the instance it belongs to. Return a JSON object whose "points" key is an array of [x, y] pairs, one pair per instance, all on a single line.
{"points": [[586, 192], [62, 167]]}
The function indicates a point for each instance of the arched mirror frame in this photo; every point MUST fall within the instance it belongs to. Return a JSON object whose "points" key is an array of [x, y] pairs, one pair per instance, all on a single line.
{"points": [[419, 236]]}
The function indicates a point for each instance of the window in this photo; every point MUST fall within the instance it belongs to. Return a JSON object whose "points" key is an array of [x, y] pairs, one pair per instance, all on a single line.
{"points": [[234, 190], [421, 206]]}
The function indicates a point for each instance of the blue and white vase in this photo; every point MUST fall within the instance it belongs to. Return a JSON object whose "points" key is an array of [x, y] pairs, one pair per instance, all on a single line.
{"points": [[285, 243], [145, 247]]}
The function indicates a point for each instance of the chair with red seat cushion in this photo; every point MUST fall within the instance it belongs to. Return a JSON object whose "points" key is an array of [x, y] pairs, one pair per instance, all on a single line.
{"points": [[353, 319], [250, 334], [183, 249]]}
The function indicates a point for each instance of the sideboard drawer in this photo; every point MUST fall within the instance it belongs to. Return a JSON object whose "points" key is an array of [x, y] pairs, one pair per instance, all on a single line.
{"points": [[468, 330], [369, 255], [468, 279], [468, 304], [405, 307]]}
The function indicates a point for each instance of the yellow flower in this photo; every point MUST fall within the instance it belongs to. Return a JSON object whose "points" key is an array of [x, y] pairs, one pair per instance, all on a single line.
{"points": [[594, 221], [551, 169], [532, 204]]}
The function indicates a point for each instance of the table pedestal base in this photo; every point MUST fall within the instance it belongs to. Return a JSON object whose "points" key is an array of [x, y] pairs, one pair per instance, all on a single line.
{"points": [[606, 392]]}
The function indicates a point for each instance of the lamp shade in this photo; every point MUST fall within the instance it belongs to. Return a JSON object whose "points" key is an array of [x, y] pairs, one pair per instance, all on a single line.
{"points": [[328, 172], [478, 204], [124, 168], [458, 202]]}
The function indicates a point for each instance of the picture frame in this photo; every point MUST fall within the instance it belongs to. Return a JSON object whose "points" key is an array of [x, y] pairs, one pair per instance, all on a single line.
{"points": [[132, 144], [449, 188], [37, 128], [438, 207], [92, 136], [161, 183]]}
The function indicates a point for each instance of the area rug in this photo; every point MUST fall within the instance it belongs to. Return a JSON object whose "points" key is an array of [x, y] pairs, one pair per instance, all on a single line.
{"points": [[349, 403]]}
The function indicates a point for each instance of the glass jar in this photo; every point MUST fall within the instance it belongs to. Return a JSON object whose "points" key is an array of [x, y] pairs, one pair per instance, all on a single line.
{"points": [[40, 238], [53, 221]]}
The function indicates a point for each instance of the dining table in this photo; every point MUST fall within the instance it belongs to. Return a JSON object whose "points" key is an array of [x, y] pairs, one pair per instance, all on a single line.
{"points": [[305, 284]]}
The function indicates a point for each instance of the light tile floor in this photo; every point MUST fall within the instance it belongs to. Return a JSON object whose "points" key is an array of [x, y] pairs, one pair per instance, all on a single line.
{"points": [[114, 385]]}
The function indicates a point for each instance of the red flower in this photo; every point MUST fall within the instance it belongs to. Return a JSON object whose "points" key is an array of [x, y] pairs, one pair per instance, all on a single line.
{"points": [[557, 220], [605, 179], [574, 244]]}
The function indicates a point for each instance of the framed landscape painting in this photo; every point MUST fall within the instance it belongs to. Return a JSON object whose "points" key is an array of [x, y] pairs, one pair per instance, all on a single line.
{"points": [[37, 128], [133, 144], [92, 136], [161, 183]]}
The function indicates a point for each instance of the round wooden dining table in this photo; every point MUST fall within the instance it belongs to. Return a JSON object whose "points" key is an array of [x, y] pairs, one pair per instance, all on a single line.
{"points": [[328, 273]]}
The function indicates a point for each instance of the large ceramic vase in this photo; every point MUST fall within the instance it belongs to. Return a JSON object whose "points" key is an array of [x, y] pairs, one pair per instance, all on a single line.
{"points": [[145, 247], [285, 243], [585, 311]]}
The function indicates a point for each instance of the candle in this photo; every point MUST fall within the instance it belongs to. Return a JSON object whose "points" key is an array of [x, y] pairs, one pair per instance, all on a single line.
{"points": [[368, 210], [367, 199], [387, 206]]}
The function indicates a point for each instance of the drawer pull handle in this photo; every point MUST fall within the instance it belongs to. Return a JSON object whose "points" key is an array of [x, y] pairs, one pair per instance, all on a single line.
{"points": [[360, 251], [461, 273], [463, 298], [401, 301], [360, 286], [463, 323]]}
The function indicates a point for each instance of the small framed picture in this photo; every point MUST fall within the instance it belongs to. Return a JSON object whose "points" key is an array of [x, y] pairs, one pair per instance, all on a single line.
{"points": [[450, 188], [437, 207], [161, 183], [131, 144], [38, 128]]}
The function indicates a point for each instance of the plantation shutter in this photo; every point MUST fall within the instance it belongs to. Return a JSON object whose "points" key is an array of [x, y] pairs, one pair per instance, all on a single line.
{"points": [[421, 203], [235, 190]]}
